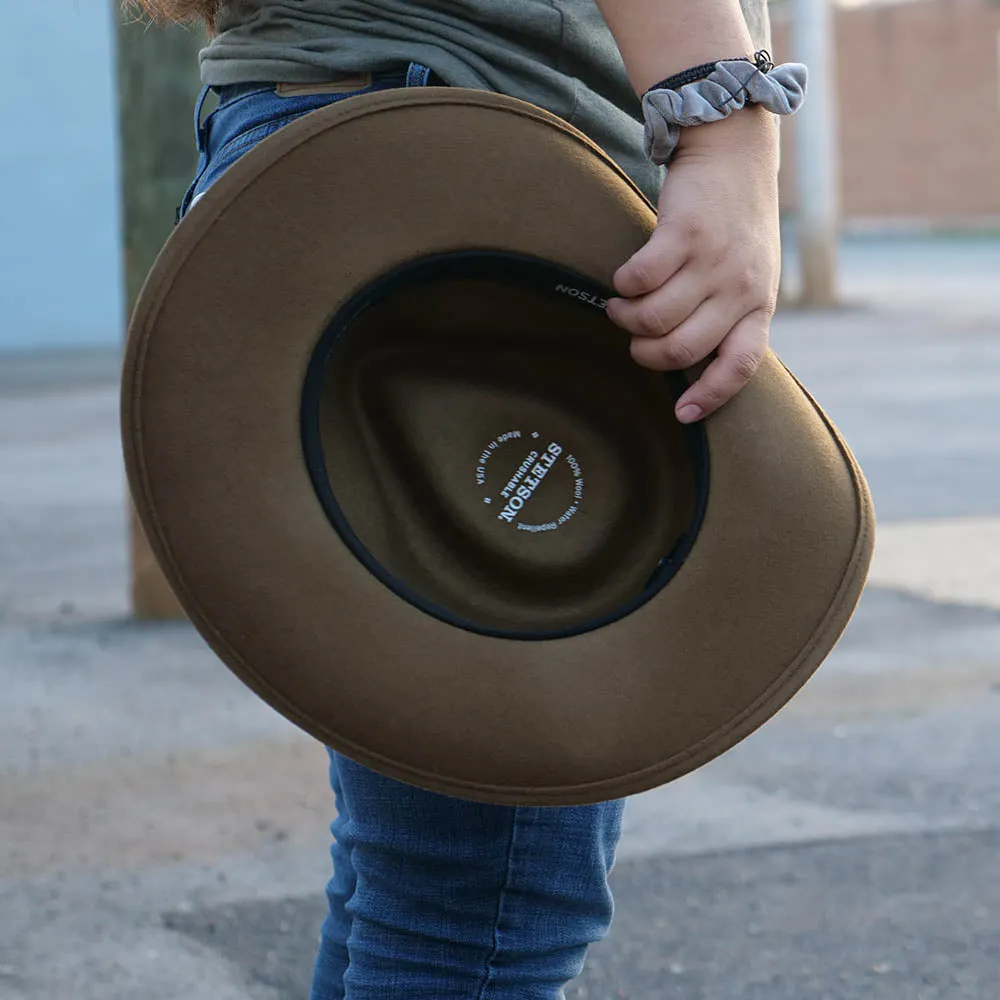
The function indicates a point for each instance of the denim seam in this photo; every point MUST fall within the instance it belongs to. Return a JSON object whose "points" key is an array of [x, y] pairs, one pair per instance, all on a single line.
{"points": [[256, 133], [501, 897]]}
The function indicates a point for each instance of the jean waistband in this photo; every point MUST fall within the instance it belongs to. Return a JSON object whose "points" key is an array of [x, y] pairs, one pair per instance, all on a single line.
{"points": [[405, 75]]}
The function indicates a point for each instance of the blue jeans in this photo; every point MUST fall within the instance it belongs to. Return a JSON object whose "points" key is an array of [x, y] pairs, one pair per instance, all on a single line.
{"points": [[249, 112], [435, 898]]}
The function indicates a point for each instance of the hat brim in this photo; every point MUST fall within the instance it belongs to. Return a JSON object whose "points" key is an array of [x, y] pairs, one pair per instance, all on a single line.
{"points": [[217, 353]]}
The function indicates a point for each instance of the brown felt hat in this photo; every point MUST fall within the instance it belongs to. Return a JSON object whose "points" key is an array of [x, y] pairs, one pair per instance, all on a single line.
{"points": [[404, 477]]}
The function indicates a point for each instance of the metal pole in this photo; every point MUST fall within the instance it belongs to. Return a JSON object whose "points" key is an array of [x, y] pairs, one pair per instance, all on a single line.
{"points": [[157, 86], [816, 148]]}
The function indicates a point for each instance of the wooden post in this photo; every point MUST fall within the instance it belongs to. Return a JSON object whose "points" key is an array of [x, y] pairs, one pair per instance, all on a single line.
{"points": [[158, 84], [817, 152]]}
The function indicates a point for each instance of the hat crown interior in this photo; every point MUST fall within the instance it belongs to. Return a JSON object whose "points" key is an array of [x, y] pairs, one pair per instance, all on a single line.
{"points": [[498, 458]]}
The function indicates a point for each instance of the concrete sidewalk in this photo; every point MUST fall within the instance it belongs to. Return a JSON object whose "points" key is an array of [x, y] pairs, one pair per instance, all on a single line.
{"points": [[163, 834]]}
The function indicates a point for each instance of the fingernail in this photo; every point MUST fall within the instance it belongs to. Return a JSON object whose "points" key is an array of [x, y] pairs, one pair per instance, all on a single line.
{"points": [[689, 413]]}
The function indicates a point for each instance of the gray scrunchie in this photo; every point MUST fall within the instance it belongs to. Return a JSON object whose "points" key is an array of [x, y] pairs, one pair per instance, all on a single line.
{"points": [[728, 88]]}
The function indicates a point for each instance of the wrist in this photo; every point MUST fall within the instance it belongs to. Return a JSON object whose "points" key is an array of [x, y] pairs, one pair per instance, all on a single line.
{"points": [[753, 130], [732, 104]]}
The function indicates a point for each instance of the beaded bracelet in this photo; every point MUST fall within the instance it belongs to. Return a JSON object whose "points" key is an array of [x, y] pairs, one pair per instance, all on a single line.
{"points": [[713, 91]]}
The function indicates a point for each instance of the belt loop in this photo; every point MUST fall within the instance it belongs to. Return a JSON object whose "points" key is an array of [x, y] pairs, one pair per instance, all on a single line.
{"points": [[199, 131], [417, 75]]}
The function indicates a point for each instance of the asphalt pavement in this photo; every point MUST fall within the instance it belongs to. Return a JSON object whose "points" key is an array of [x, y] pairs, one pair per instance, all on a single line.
{"points": [[163, 834]]}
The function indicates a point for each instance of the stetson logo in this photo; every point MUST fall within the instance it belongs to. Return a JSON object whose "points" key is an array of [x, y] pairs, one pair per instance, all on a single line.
{"points": [[517, 486], [583, 295], [516, 499]]}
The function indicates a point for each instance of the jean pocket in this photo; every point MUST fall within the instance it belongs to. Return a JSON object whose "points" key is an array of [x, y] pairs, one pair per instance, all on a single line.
{"points": [[239, 126], [248, 115]]}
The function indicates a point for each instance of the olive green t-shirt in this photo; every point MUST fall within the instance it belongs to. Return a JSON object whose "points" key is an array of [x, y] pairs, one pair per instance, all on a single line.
{"points": [[557, 54]]}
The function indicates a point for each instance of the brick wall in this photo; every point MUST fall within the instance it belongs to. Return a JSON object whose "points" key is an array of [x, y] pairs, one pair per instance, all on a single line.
{"points": [[919, 117]]}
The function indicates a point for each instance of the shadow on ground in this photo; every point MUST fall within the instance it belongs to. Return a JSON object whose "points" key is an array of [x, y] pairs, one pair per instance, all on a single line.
{"points": [[873, 919]]}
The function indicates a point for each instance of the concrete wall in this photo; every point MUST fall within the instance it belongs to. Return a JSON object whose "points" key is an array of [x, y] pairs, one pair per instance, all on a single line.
{"points": [[919, 120], [920, 127], [59, 268]]}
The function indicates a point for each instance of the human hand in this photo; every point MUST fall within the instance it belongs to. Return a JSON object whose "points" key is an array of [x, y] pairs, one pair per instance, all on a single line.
{"points": [[707, 278]]}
